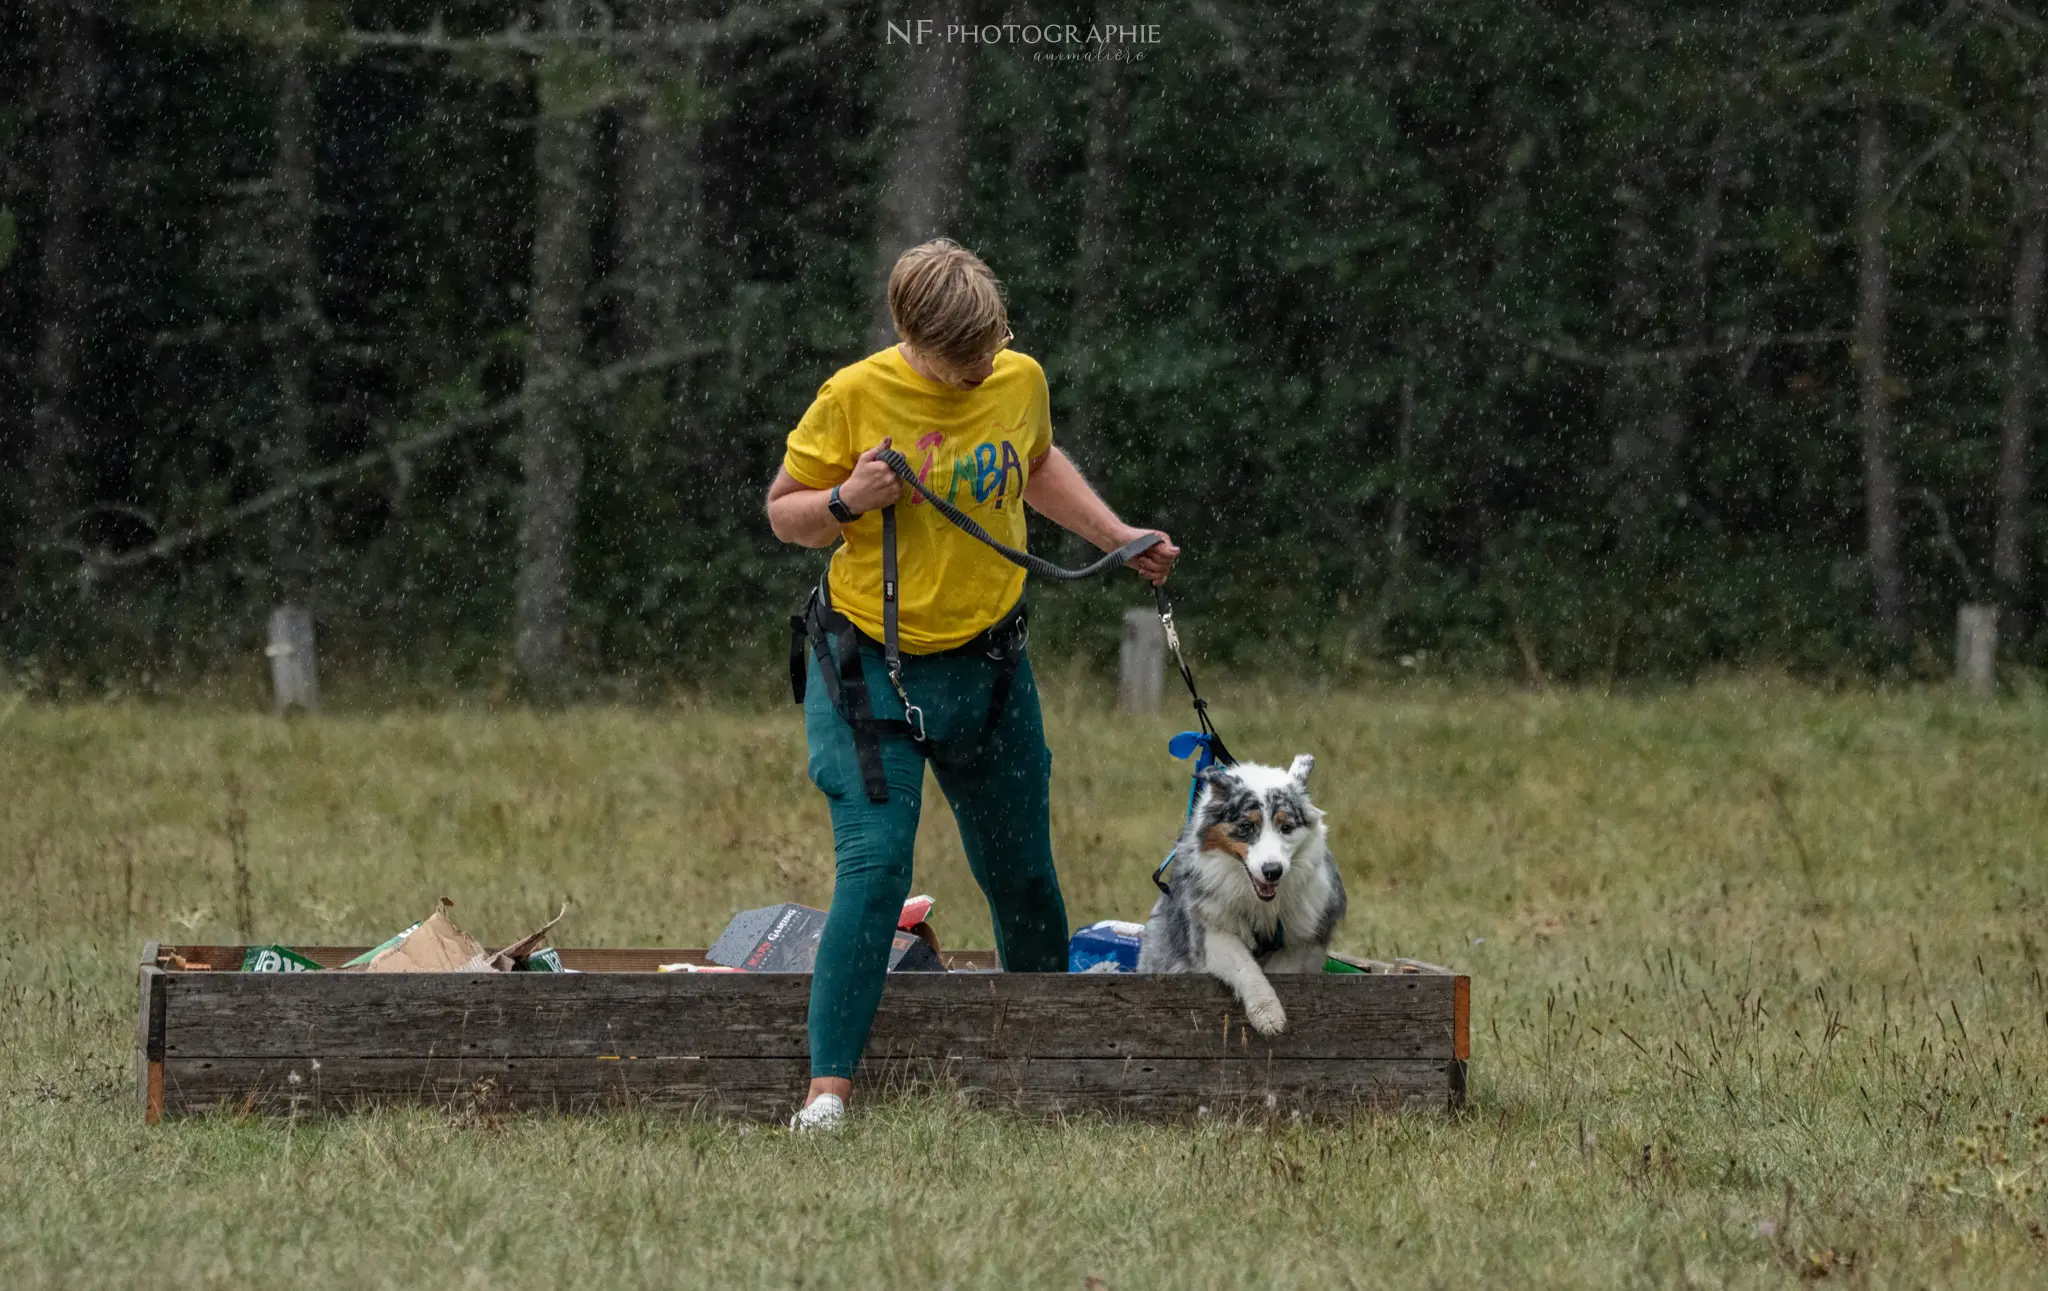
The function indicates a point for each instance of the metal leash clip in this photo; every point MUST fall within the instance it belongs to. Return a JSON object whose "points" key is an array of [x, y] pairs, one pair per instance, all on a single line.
{"points": [[1014, 647], [911, 712]]}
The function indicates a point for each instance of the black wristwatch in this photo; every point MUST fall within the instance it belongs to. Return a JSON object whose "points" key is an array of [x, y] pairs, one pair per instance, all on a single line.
{"points": [[841, 512]]}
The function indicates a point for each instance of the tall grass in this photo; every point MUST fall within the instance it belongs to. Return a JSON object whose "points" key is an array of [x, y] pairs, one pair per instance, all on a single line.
{"points": [[1758, 996]]}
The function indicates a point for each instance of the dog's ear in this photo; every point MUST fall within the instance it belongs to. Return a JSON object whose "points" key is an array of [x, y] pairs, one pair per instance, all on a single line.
{"points": [[1298, 771], [1216, 775]]}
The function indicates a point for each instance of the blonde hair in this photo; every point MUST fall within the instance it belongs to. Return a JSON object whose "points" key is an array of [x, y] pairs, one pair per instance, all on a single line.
{"points": [[946, 302]]}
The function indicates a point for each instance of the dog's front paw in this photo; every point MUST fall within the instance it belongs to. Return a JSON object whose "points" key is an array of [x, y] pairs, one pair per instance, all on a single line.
{"points": [[1266, 1016]]}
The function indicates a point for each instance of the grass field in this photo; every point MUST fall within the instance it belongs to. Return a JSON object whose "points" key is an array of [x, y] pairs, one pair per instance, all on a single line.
{"points": [[1758, 997]]}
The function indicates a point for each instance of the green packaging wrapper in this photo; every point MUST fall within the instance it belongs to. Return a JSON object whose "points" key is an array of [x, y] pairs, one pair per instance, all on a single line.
{"points": [[380, 948], [276, 959], [544, 960]]}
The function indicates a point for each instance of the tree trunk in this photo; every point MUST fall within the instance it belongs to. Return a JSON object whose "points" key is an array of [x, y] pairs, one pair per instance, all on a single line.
{"points": [[73, 73], [1095, 263], [926, 125], [2016, 430], [550, 458], [660, 200], [1873, 282], [297, 328], [1650, 405], [1645, 408], [1394, 586], [1699, 307], [1404, 468]]}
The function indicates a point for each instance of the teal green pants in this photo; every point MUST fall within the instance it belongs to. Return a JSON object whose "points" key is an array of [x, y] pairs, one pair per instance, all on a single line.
{"points": [[998, 792]]}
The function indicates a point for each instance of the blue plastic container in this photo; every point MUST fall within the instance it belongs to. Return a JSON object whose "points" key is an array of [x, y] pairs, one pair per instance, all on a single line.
{"points": [[1110, 946]]}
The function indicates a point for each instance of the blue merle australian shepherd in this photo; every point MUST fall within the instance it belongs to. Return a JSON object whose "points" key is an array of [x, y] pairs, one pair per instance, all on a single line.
{"points": [[1251, 890]]}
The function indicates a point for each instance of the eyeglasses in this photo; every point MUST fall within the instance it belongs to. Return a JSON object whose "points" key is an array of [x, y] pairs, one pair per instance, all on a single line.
{"points": [[945, 368], [1002, 343]]}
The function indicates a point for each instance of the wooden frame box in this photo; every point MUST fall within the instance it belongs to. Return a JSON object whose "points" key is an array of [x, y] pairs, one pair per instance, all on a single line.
{"points": [[620, 1034]]}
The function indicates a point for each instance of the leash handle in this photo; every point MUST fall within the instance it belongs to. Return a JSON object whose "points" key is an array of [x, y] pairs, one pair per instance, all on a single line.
{"points": [[892, 651], [900, 464]]}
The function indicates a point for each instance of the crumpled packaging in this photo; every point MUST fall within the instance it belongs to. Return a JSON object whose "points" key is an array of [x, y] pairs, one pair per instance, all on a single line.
{"points": [[438, 946]]}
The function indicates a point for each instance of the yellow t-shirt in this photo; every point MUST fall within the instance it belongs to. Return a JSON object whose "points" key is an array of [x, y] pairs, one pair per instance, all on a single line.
{"points": [[973, 448]]}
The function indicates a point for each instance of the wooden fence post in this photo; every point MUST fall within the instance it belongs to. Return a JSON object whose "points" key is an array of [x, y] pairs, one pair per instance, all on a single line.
{"points": [[1977, 648], [1141, 664], [294, 669]]}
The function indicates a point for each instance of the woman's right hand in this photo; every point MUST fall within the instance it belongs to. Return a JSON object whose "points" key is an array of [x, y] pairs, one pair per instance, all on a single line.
{"points": [[872, 485]]}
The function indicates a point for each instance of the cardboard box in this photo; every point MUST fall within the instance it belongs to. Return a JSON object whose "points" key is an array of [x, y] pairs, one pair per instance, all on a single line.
{"points": [[784, 939], [1108, 946]]}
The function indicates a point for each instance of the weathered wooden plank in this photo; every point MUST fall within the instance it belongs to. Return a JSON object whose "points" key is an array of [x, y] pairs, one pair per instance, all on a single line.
{"points": [[149, 1037], [941, 1016], [769, 1088], [585, 959], [1461, 1018], [648, 959]]}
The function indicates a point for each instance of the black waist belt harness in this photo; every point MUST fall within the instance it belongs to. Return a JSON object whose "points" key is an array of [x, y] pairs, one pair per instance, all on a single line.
{"points": [[837, 642]]}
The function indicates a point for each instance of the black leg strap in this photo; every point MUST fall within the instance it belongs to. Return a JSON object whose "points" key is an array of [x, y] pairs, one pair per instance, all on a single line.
{"points": [[799, 638], [860, 714], [836, 642], [1007, 655], [1006, 652]]}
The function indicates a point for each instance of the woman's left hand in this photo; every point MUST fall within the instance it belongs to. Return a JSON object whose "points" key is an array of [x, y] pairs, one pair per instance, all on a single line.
{"points": [[1154, 563]]}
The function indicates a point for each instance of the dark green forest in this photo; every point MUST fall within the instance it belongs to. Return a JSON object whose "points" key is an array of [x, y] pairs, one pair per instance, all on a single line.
{"points": [[1549, 341]]}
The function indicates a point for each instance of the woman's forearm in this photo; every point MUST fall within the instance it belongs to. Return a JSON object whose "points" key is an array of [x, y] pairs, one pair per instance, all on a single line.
{"points": [[1060, 493], [801, 515]]}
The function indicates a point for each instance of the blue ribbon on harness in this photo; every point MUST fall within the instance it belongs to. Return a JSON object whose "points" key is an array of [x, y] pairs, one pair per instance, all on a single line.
{"points": [[1180, 746]]}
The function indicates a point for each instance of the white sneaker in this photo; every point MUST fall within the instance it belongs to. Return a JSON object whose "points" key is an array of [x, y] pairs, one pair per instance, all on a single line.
{"points": [[826, 1112]]}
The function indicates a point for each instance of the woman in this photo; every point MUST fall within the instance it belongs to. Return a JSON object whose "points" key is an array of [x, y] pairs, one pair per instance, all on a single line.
{"points": [[973, 418]]}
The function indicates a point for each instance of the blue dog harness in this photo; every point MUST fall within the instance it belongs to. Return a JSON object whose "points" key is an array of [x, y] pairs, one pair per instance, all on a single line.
{"points": [[1206, 745], [1210, 752]]}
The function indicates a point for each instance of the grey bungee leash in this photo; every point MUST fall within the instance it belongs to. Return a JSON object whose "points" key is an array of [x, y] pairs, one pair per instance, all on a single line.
{"points": [[1025, 560]]}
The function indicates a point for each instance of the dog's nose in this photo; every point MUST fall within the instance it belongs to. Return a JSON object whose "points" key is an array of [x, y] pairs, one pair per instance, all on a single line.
{"points": [[1272, 872]]}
